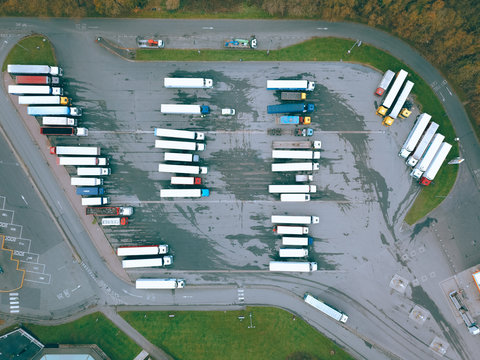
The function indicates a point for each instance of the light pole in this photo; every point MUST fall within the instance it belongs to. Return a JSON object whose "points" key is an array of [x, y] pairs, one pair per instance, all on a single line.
{"points": [[357, 43]]}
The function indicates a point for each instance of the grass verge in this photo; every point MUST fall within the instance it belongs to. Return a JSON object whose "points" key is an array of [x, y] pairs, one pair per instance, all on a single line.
{"points": [[91, 329], [34, 49], [334, 49], [221, 335]]}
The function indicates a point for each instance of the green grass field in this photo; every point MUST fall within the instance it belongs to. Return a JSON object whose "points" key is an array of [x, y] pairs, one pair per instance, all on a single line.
{"points": [[90, 329], [198, 335], [34, 49]]}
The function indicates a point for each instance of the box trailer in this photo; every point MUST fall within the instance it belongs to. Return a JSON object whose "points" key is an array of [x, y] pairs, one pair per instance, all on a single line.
{"points": [[58, 121], [385, 82], [290, 108], [168, 156], [423, 144], [290, 230], [185, 180], [118, 221], [142, 263], [184, 109], [392, 93], [185, 193], [90, 191], [390, 118], [427, 157], [54, 110], [294, 197], [81, 161], [295, 154], [277, 189], [179, 145], [181, 134], [43, 100], [296, 240], [295, 219], [297, 144], [415, 134], [302, 166], [160, 284], [75, 150], [84, 181], [325, 308], [182, 169], [293, 252], [188, 83], [142, 250], [34, 69], [63, 131], [93, 171], [291, 266], [36, 80], [437, 162], [304, 85], [109, 211], [34, 90], [95, 201]]}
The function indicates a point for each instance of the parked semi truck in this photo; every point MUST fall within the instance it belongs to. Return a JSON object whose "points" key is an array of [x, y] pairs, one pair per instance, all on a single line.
{"points": [[185, 180], [150, 43], [464, 313], [278, 189], [188, 83], [241, 43], [179, 145], [296, 241], [437, 162], [90, 191], [298, 85], [117, 221], [95, 201], [293, 266], [427, 157], [415, 134], [182, 169], [64, 131], [34, 90], [168, 156], [423, 144], [81, 161], [293, 252], [43, 100], [301, 166], [185, 193], [84, 181], [160, 284], [294, 197], [75, 150], [295, 154], [290, 230], [293, 119], [303, 178], [392, 93], [149, 262], [385, 82], [54, 110], [35, 69], [142, 250], [110, 211], [184, 109], [295, 219], [325, 308], [390, 118], [92, 171], [294, 96], [181, 134], [297, 144], [36, 80], [58, 121], [290, 108]]}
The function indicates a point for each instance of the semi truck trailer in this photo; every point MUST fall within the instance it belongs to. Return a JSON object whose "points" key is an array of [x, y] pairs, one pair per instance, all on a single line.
{"points": [[278, 189], [385, 82], [118, 221], [415, 134], [241, 43], [295, 219], [36, 80], [81, 161], [75, 150], [390, 118], [294, 197], [298, 85], [185, 180], [296, 241], [292, 266], [290, 230], [295, 154], [392, 93], [90, 191], [160, 284], [179, 145], [184, 109], [142, 250], [95, 201], [182, 169], [92, 171], [109, 211], [293, 119], [293, 252], [142, 263], [34, 90], [290, 108], [54, 110], [181, 134], [64, 131], [188, 83], [180, 157], [35, 69], [43, 100], [437, 162], [84, 181], [325, 308], [58, 121], [423, 144], [427, 157], [301, 166], [297, 144], [294, 96], [185, 193]]}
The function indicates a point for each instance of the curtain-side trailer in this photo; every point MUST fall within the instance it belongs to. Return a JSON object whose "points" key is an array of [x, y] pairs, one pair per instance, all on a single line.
{"points": [[423, 144], [427, 157], [34, 90], [278, 189], [182, 169], [297, 144], [181, 134], [325, 308], [142, 250], [43, 100], [290, 230], [188, 83], [390, 118], [75, 150], [81, 161], [392, 93], [414, 136], [294, 219], [291, 266], [290, 85], [184, 109], [34, 69], [295, 154], [179, 145], [58, 121], [293, 252], [385, 82], [184, 193], [160, 284], [296, 240], [437, 162], [303, 166]]}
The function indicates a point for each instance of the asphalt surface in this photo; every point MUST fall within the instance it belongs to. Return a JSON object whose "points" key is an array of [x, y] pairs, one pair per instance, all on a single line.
{"points": [[380, 315]]}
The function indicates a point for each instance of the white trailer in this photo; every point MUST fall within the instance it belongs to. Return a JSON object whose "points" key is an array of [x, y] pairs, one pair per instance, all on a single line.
{"points": [[35, 69], [60, 121], [435, 165], [423, 144], [184, 109], [293, 252], [179, 145], [385, 82], [180, 157], [278, 189], [182, 169], [84, 181], [188, 83], [290, 85], [296, 241], [75, 150], [81, 161], [95, 201], [43, 100], [325, 308], [142, 250], [297, 144], [399, 104], [294, 197], [184, 193], [185, 180], [160, 284], [414, 136], [392, 93], [294, 219], [93, 171], [300, 166], [141, 263], [290, 230], [180, 134], [291, 266], [34, 90], [428, 156], [117, 221], [295, 154]]}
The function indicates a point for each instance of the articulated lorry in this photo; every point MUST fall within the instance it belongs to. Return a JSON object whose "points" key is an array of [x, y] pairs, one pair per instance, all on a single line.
{"points": [[43, 100], [150, 43], [297, 144], [36, 80], [293, 252], [423, 144], [54, 110], [58, 121], [415, 134], [179, 145], [34, 69], [95, 201], [296, 240], [185, 180], [392, 93], [149, 262], [294, 96], [291, 85], [390, 118], [183, 157], [290, 108], [185, 109], [293, 119], [188, 83], [75, 150], [241, 43], [64, 131], [325, 308], [90, 191], [290, 230], [291, 266], [160, 284], [301, 166], [34, 90], [142, 250], [277, 189], [385, 82], [464, 313], [81, 161], [95, 171], [118, 221], [295, 219], [437, 162], [110, 211], [294, 197], [184, 193], [181, 134], [295, 154], [182, 169], [84, 181], [427, 157]]}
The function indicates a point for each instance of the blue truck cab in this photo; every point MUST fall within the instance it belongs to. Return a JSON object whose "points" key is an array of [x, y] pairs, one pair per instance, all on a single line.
{"points": [[205, 109]]}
